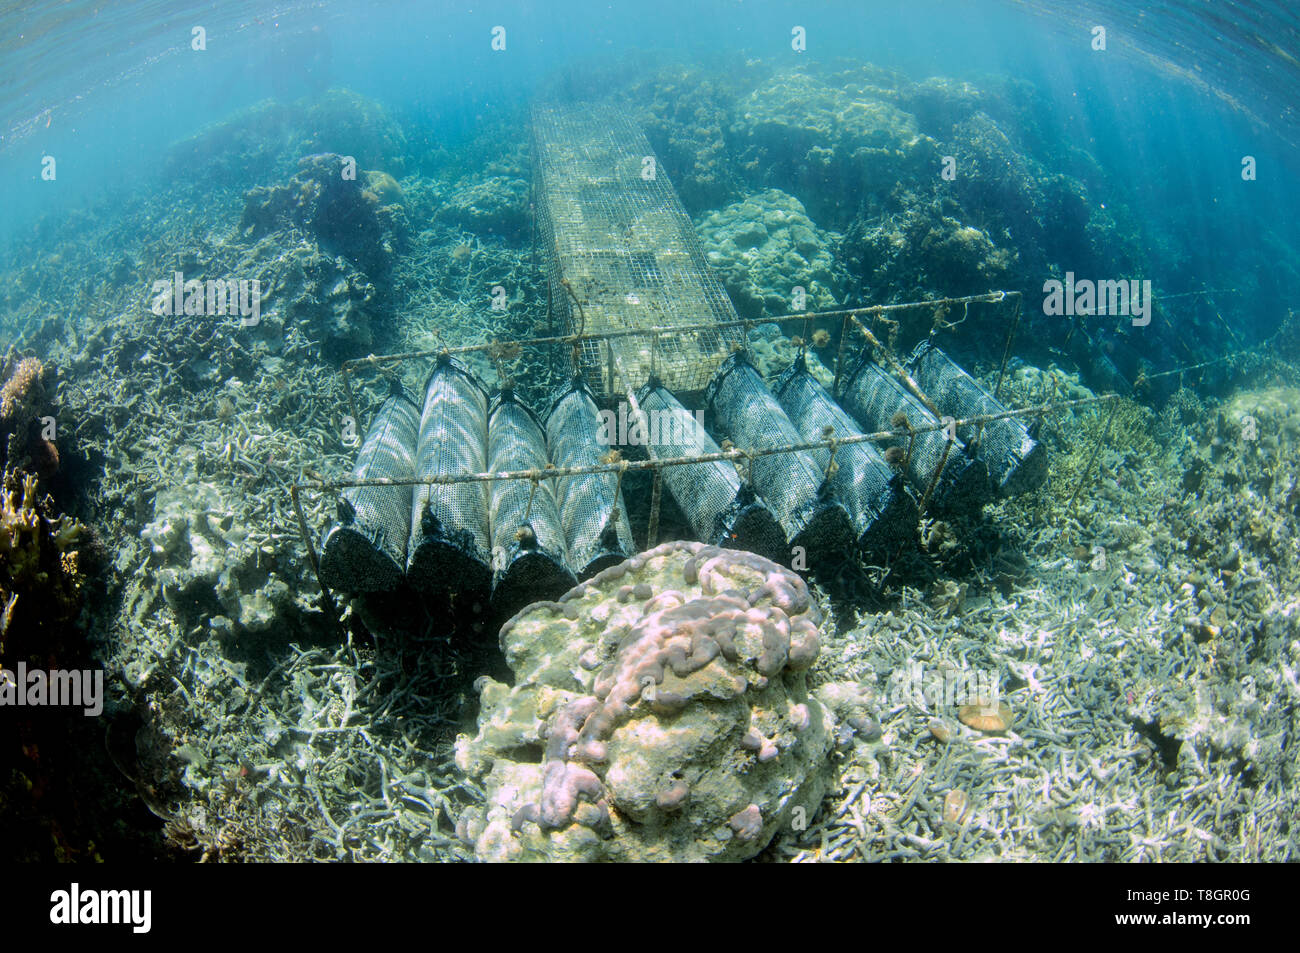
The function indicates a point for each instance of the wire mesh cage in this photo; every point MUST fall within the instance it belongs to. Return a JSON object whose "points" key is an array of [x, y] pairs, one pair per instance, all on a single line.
{"points": [[365, 549], [530, 558], [596, 527], [722, 509], [879, 402], [621, 252], [792, 484], [1016, 461], [454, 474], [884, 514], [449, 546]]}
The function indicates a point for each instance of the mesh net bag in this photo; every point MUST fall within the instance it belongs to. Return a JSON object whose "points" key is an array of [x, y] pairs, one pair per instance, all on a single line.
{"points": [[1016, 461], [596, 529], [449, 547], [721, 509], [873, 398], [365, 549], [884, 514], [792, 484], [529, 557]]}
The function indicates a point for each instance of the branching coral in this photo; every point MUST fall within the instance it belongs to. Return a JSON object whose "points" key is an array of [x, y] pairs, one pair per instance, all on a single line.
{"points": [[1127, 450], [40, 582]]}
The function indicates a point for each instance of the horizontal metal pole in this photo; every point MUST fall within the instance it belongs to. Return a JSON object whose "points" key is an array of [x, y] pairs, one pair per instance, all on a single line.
{"points": [[734, 454], [373, 360]]}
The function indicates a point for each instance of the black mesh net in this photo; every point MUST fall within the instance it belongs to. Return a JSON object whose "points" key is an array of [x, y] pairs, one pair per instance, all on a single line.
{"points": [[721, 509], [449, 547], [1016, 461], [792, 484], [596, 529], [884, 514], [529, 557], [876, 400], [365, 549]]}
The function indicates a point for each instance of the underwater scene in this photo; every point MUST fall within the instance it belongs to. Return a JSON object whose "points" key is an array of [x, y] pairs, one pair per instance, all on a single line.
{"points": [[697, 431]]}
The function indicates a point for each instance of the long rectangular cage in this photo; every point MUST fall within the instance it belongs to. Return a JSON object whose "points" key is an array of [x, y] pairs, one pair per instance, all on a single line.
{"points": [[620, 253]]}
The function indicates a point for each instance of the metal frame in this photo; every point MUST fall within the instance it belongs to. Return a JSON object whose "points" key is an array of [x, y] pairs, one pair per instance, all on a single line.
{"points": [[851, 319]]}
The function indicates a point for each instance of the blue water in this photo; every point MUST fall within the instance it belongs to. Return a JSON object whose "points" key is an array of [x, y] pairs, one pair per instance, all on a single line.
{"points": [[1123, 163], [1182, 93]]}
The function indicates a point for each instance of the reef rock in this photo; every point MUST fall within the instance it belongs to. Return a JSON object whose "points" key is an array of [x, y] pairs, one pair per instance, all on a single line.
{"points": [[209, 570], [763, 247], [496, 206], [829, 144], [360, 218], [660, 713]]}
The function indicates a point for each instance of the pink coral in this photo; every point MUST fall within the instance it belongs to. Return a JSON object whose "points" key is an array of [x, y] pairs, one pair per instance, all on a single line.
{"points": [[748, 823], [754, 614]]}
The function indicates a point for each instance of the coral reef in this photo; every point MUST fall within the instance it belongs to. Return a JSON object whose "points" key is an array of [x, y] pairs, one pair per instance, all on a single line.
{"points": [[939, 103], [1044, 214], [659, 712], [324, 248], [260, 143], [1145, 635], [360, 218], [495, 207], [327, 297], [210, 572], [686, 123], [23, 401], [823, 141], [763, 247], [344, 121], [40, 579], [918, 255]]}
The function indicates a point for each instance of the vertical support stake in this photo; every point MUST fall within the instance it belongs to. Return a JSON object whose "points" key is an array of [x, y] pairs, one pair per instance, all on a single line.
{"points": [[652, 533]]}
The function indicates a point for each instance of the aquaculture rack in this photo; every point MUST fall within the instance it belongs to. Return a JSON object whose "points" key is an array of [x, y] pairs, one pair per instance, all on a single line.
{"points": [[853, 321], [620, 253], [629, 282]]}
